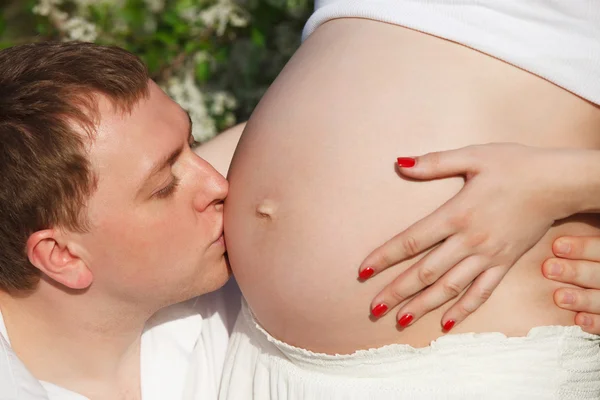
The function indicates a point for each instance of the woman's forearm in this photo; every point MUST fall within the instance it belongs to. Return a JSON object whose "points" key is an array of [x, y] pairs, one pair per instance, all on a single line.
{"points": [[582, 182]]}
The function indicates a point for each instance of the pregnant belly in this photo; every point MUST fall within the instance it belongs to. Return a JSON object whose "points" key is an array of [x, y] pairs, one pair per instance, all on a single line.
{"points": [[314, 187]]}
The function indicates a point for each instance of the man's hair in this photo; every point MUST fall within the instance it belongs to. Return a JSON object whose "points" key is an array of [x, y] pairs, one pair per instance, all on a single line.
{"points": [[48, 114]]}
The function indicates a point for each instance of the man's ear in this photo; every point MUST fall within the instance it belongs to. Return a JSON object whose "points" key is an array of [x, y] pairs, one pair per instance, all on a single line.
{"points": [[49, 252]]}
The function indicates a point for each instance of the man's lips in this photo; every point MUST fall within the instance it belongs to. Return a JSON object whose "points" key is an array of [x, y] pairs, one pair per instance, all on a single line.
{"points": [[220, 241]]}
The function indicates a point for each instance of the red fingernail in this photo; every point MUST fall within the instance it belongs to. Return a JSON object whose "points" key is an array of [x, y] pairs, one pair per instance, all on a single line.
{"points": [[379, 309], [366, 273], [449, 324], [406, 162], [405, 320]]}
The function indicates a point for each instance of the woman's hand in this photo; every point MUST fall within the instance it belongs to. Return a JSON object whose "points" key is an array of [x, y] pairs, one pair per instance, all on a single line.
{"points": [[511, 197], [577, 263]]}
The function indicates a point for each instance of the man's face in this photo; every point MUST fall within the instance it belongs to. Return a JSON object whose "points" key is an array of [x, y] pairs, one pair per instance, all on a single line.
{"points": [[156, 218]]}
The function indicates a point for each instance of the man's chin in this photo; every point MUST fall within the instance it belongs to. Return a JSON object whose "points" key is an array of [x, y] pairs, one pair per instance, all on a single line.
{"points": [[215, 278], [219, 283]]}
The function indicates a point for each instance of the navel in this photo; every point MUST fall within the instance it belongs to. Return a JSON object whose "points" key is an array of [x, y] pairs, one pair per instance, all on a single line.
{"points": [[266, 209]]}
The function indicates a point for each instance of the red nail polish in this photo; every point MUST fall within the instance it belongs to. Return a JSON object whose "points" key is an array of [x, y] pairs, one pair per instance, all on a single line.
{"points": [[405, 320], [366, 273], [379, 309], [406, 162], [449, 324]]}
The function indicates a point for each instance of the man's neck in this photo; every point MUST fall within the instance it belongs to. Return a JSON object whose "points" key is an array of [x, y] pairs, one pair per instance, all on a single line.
{"points": [[73, 342]]}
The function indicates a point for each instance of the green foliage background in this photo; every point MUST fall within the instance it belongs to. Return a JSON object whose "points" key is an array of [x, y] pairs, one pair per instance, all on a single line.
{"points": [[215, 57]]}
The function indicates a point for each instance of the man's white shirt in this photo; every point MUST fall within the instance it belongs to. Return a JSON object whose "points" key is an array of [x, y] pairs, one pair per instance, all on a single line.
{"points": [[183, 349]]}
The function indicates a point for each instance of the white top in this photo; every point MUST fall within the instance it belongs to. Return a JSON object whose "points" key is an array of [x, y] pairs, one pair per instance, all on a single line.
{"points": [[182, 353], [558, 40]]}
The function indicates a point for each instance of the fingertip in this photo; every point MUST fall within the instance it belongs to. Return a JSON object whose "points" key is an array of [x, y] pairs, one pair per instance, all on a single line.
{"points": [[448, 325], [379, 309], [545, 268], [552, 268], [565, 298], [405, 319], [586, 322], [557, 296], [366, 273], [449, 319], [406, 162], [562, 246]]}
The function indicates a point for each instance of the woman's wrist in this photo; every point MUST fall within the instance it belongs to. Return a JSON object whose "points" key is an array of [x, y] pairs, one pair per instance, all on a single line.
{"points": [[579, 177]]}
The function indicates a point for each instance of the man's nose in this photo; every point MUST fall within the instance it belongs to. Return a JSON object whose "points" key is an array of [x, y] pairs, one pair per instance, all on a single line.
{"points": [[212, 190]]}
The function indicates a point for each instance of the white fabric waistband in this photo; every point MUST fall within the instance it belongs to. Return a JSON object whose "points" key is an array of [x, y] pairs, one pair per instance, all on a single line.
{"points": [[551, 362], [546, 338]]}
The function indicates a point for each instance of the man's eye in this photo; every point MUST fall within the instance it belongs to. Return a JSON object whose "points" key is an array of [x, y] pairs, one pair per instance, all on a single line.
{"points": [[167, 190]]}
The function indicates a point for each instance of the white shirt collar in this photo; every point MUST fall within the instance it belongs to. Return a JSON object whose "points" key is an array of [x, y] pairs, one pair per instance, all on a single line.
{"points": [[16, 382], [181, 352]]}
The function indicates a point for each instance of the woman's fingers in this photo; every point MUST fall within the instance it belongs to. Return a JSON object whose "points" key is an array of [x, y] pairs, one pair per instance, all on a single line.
{"points": [[442, 164], [579, 265], [581, 273], [577, 248], [479, 292], [417, 238], [451, 285], [588, 322], [421, 275], [582, 300], [434, 228]]}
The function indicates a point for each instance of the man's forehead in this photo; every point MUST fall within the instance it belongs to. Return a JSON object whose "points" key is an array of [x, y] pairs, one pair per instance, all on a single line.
{"points": [[134, 143], [146, 117]]}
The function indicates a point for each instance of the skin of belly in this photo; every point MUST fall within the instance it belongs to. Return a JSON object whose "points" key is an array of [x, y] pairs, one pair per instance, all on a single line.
{"points": [[314, 186]]}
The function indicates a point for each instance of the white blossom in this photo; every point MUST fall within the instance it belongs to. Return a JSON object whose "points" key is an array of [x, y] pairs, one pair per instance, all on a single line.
{"points": [[51, 9], [221, 102], [201, 56], [155, 6], [84, 4], [78, 28], [120, 26], [184, 91], [218, 16], [229, 119], [150, 25], [46, 7], [75, 27]]}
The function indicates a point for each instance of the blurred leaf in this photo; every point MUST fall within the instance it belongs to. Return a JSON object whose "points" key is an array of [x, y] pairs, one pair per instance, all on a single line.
{"points": [[133, 14], [165, 38], [42, 29], [221, 54], [2, 24], [191, 47], [153, 59], [202, 71], [257, 37]]}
